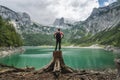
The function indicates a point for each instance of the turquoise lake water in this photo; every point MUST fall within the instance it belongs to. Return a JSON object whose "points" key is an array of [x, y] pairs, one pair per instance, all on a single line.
{"points": [[77, 58]]}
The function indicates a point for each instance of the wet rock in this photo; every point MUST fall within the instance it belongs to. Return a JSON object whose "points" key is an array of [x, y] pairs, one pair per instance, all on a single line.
{"points": [[6, 51], [117, 64]]}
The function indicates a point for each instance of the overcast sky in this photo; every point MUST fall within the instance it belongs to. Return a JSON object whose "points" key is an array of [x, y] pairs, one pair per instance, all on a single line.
{"points": [[46, 11]]}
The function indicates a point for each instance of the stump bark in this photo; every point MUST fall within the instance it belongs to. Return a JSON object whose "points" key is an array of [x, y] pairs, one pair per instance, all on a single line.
{"points": [[57, 64]]}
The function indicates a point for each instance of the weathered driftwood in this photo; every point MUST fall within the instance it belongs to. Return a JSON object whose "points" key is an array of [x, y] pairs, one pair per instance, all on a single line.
{"points": [[57, 64], [14, 69]]}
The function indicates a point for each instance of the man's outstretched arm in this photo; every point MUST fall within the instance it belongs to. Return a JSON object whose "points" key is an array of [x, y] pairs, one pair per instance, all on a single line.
{"points": [[54, 35], [62, 35]]}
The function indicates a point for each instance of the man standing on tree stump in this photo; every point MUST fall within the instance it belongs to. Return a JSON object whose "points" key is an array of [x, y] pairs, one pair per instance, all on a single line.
{"points": [[58, 35]]}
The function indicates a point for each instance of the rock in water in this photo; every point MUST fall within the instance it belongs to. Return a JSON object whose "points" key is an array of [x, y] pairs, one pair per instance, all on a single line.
{"points": [[117, 63]]}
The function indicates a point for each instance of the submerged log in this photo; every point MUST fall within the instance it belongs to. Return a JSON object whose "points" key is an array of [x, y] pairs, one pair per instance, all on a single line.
{"points": [[57, 64]]}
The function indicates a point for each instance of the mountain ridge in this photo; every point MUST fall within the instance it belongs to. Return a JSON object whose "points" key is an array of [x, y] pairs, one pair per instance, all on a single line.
{"points": [[98, 21], [101, 19]]}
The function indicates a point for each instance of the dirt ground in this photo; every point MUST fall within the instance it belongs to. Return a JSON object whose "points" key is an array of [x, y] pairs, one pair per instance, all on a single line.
{"points": [[12, 73]]}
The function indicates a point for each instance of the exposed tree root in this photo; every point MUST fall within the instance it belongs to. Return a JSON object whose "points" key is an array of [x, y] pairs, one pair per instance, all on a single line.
{"points": [[57, 65]]}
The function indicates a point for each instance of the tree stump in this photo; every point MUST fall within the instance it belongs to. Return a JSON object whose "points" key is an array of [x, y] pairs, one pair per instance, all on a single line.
{"points": [[57, 64]]}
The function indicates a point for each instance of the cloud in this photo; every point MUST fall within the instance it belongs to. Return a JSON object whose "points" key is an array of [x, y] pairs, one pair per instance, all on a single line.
{"points": [[109, 2], [106, 3], [46, 11], [75, 9]]}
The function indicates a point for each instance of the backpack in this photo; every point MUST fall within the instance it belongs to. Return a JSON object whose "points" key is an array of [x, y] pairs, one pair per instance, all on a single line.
{"points": [[58, 35]]}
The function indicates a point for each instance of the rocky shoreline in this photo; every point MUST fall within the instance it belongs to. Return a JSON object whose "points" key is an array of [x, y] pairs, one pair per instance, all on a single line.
{"points": [[112, 48], [6, 51]]}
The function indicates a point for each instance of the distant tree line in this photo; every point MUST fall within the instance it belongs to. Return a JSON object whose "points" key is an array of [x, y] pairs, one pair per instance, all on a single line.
{"points": [[38, 39], [110, 36], [8, 35]]}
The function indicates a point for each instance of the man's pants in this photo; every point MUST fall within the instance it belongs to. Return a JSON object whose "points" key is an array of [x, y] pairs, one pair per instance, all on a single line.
{"points": [[58, 42]]}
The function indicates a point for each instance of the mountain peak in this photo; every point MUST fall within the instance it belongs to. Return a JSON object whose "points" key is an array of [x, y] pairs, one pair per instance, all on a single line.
{"points": [[19, 20], [59, 22], [63, 23]]}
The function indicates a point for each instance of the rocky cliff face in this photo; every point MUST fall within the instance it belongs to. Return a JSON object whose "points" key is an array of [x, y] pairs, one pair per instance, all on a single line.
{"points": [[63, 23], [59, 22], [101, 19], [17, 19], [22, 21]]}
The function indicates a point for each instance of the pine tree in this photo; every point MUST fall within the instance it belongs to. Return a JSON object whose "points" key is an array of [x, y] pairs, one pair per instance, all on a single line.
{"points": [[8, 35]]}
